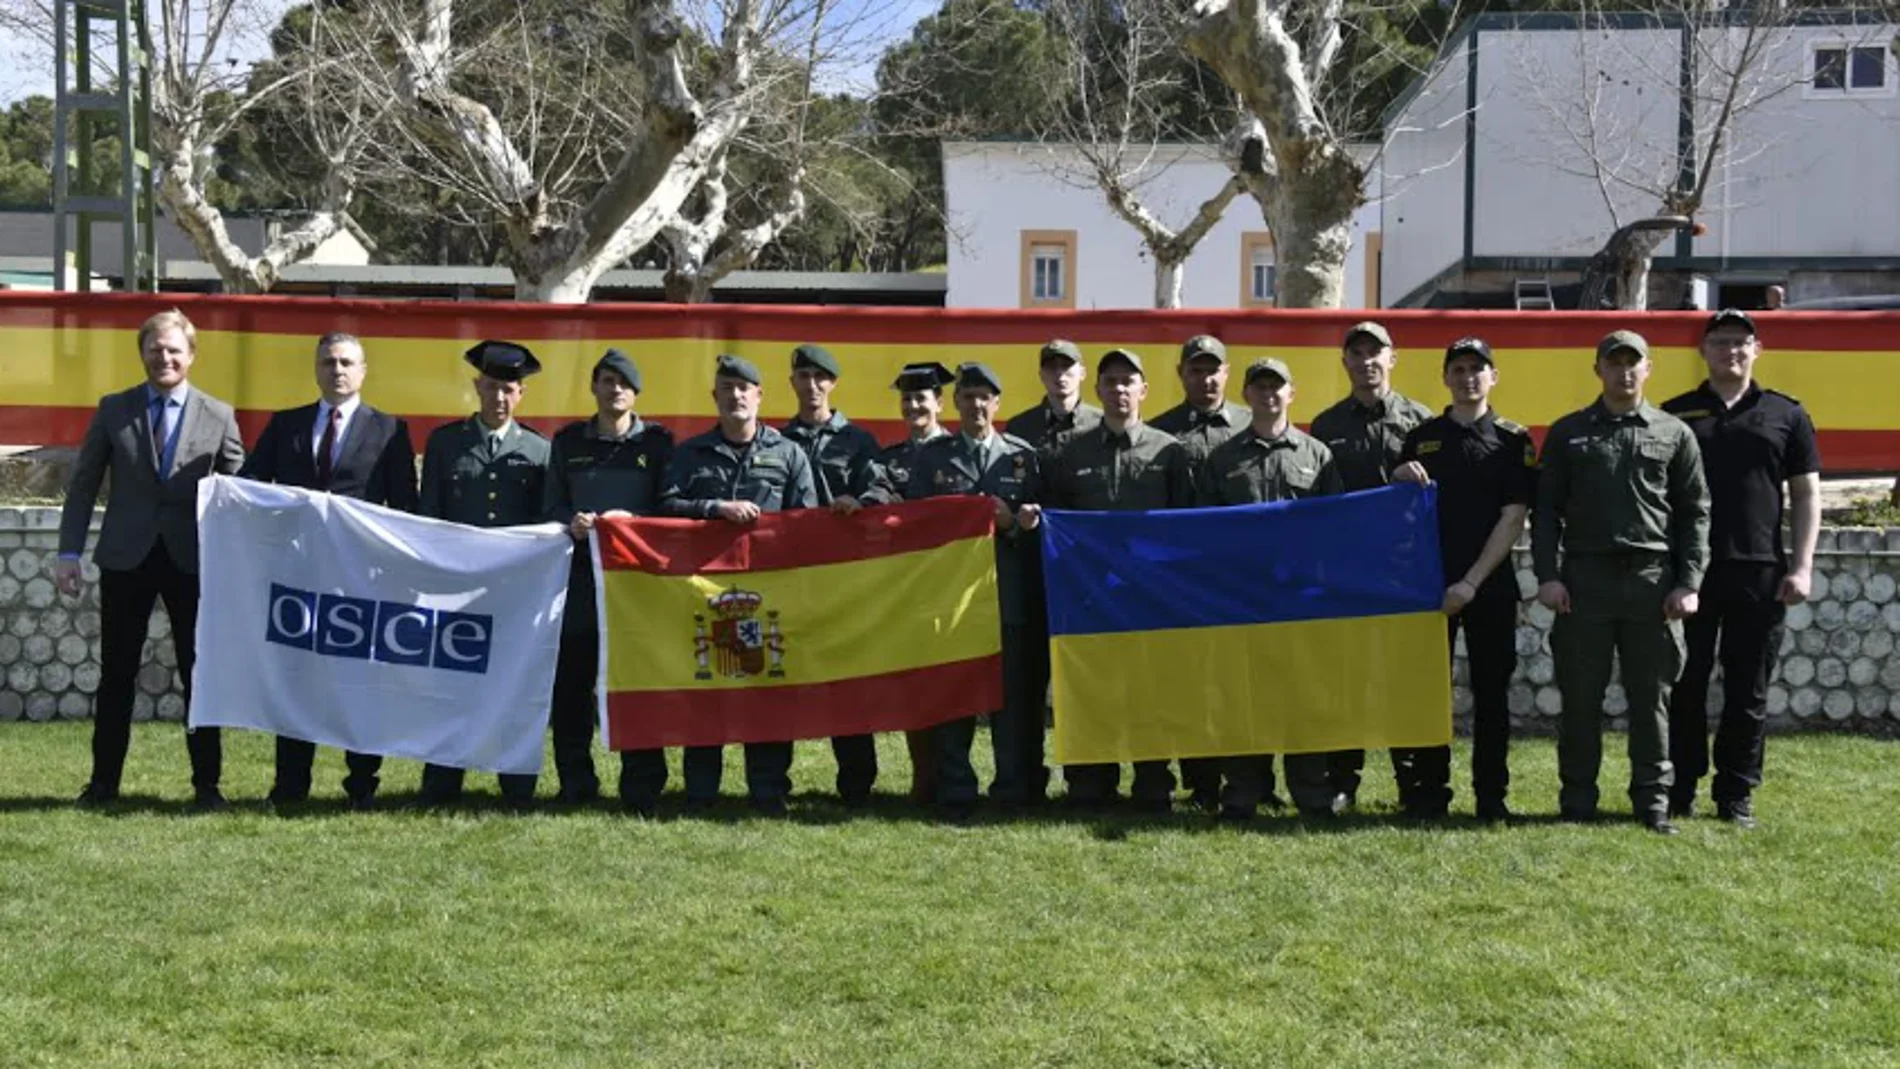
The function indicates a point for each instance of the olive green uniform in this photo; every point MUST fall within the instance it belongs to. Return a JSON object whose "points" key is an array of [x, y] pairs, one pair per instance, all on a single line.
{"points": [[1008, 468], [476, 477], [1243, 470], [1366, 441], [593, 472], [1138, 470], [898, 458], [844, 464], [1625, 500], [772, 472]]}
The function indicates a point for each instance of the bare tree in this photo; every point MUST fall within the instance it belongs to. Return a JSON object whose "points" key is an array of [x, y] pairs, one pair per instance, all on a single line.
{"points": [[1115, 112]]}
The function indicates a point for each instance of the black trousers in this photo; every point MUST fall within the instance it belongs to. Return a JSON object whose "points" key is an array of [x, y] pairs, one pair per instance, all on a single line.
{"points": [[295, 758], [1740, 621], [1490, 626], [857, 765], [575, 710], [126, 599]]}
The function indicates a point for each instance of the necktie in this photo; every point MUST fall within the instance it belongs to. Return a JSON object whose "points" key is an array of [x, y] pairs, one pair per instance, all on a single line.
{"points": [[327, 448], [159, 405]]}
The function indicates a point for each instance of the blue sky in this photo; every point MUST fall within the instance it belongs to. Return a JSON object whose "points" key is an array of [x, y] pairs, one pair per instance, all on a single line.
{"points": [[24, 71]]}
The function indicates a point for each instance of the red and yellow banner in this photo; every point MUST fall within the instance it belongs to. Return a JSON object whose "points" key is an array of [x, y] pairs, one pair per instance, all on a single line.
{"points": [[802, 625], [60, 352]]}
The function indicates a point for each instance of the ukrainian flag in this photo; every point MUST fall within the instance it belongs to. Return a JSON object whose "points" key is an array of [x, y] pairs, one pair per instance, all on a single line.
{"points": [[1290, 627]]}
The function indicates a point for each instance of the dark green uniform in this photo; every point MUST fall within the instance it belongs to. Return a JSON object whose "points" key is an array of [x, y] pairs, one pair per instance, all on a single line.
{"points": [[1243, 470], [844, 464], [592, 472], [1138, 470], [1625, 500], [898, 458], [1008, 468], [772, 472], [482, 479], [1366, 441], [1200, 432]]}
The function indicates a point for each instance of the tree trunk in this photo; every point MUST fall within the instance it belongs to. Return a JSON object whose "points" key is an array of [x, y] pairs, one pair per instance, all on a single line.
{"points": [[1632, 270], [1167, 283], [1310, 217]]}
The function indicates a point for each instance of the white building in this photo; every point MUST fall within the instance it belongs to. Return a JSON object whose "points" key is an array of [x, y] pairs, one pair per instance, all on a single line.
{"points": [[1538, 135], [1027, 230]]}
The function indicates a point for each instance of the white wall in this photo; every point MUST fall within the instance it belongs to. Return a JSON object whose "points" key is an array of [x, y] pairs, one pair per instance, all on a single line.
{"points": [[1423, 216], [996, 190]]}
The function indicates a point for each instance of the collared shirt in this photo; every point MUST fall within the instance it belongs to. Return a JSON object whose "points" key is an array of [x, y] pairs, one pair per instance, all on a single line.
{"points": [[1748, 450], [771, 471], [843, 459], [171, 417], [1132, 470], [1200, 432], [1250, 467], [1480, 468], [593, 472], [1365, 439], [1051, 432], [345, 412], [1625, 483], [484, 478]]}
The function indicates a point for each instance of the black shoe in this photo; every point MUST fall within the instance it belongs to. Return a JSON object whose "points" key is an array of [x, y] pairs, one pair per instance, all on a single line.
{"points": [[700, 806], [1424, 813], [1681, 808], [1740, 813], [282, 799], [362, 803], [1658, 823], [208, 800], [438, 799], [957, 812], [1577, 816], [95, 796], [769, 807], [1346, 800], [519, 803], [855, 799], [1152, 807], [1235, 814], [1493, 812], [581, 795], [639, 806], [1205, 800]]}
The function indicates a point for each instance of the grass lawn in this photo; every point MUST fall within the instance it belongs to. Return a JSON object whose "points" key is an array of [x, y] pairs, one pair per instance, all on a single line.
{"points": [[148, 937]]}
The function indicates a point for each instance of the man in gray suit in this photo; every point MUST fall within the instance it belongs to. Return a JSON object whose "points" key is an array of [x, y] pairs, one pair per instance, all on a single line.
{"points": [[157, 439]]}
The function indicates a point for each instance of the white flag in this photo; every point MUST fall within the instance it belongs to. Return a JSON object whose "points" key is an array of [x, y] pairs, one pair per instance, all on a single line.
{"points": [[351, 625]]}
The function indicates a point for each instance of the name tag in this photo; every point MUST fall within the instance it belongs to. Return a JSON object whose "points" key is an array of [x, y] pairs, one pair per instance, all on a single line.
{"points": [[1428, 448], [1700, 413]]}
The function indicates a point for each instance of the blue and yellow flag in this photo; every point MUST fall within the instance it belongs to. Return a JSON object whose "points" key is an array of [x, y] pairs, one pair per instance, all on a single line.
{"points": [[1291, 627]]}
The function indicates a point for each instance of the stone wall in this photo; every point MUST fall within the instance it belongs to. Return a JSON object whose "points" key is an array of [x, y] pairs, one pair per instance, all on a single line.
{"points": [[1839, 667]]}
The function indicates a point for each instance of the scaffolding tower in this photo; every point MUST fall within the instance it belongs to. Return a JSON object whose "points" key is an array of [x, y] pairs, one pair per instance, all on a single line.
{"points": [[88, 102]]}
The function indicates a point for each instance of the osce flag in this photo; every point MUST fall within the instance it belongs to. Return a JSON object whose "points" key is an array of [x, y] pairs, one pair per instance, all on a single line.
{"points": [[1290, 627], [801, 625], [351, 625]]}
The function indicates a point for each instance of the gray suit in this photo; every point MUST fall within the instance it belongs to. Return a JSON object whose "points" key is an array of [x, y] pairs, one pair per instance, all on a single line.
{"points": [[148, 550], [141, 508]]}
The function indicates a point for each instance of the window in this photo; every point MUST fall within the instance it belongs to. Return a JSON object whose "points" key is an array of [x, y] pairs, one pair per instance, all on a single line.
{"points": [[1841, 69], [1259, 270], [1048, 269]]}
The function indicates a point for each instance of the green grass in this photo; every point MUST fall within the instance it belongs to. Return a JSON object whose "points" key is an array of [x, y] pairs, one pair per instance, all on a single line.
{"points": [[148, 937]]}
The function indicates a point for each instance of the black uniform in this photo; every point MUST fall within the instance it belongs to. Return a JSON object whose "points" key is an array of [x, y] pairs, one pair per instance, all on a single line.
{"points": [[592, 472], [1480, 468], [1748, 451], [844, 463]]}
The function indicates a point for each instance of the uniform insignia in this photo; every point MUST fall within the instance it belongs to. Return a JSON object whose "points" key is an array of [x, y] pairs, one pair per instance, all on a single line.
{"points": [[940, 477], [1530, 455], [738, 645], [1700, 413], [1021, 462], [767, 462], [642, 462], [1428, 448], [1085, 471]]}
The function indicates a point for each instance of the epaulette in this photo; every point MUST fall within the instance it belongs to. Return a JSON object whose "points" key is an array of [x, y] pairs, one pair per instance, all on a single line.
{"points": [[1788, 397], [531, 430], [1020, 443], [1510, 426], [657, 429]]}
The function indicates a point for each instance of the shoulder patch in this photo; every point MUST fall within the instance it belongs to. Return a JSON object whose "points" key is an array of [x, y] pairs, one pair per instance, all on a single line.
{"points": [[1510, 426], [1429, 446]]}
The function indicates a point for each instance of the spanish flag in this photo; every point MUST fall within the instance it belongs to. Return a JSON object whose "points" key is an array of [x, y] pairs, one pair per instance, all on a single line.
{"points": [[804, 624], [1291, 627]]}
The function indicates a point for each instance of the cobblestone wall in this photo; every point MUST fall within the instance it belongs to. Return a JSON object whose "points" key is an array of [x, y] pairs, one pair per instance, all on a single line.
{"points": [[1839, 666]]}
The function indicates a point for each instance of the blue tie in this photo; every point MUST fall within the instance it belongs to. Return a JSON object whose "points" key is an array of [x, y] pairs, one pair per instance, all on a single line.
{"points": [[159, 436]]}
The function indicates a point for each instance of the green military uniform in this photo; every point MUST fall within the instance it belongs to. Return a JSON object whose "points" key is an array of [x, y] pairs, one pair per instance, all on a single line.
{"points": [[1004, 467], [484, 478], [1366, 441], [589, 471], [1243, 470], [1201, 432], [1138, 469], [772, 472], [898, 458], [1625, 500], [1049, 432]]}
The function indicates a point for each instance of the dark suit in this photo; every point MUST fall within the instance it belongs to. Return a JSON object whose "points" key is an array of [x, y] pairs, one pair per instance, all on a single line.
{"points": [[376, 463], [147, 550]]}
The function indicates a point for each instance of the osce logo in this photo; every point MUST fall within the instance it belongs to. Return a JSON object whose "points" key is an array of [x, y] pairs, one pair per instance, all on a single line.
{"points": [[388, 632]]}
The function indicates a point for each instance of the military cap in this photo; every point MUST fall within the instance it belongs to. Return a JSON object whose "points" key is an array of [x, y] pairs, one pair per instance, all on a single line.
{"points": [[1477, 347], [815, 356], [931, 376], [620, 364], [1729, 317], [974, 374], [1061, 349], [1125, 356], [1369, 329], [1618, 340], [503, 360], [734, 367], [1203, 345], [1265, 366]]}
